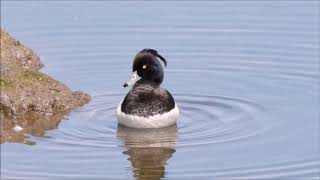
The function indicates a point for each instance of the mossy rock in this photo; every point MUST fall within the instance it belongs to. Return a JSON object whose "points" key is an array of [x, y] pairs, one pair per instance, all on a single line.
{"points": [[27, 92], [6, 83]]}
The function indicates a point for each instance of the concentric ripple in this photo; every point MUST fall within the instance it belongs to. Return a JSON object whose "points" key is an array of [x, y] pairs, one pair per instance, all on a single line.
{"points": [[214, 119], [203, 120]]}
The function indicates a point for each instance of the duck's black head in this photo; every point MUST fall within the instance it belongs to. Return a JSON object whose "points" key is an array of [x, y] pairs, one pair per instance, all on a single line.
{"points": [[147, 66]]}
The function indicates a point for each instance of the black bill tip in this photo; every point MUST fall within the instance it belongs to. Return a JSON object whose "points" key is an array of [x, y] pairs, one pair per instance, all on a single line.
{"points": [[125, 85]]}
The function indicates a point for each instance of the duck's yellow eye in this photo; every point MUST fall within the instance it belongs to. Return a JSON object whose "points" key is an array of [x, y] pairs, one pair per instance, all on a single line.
{"points": [[144, 67]]}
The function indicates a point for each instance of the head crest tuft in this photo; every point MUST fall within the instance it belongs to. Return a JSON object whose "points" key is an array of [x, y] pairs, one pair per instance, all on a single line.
{"points": [[155, 53]]}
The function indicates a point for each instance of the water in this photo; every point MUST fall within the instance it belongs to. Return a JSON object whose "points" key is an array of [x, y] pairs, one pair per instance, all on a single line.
{"points": [[244, 74]]}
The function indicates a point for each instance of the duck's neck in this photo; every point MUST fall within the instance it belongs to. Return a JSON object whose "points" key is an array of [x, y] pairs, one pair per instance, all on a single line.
{"points": [[147, 82]]}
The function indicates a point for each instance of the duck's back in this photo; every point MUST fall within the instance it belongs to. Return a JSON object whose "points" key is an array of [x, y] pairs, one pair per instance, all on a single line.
{"points": [[147, 100]]}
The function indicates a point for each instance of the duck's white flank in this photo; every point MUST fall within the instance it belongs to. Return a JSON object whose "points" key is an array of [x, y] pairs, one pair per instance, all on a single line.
{"points": [[156, 121]]}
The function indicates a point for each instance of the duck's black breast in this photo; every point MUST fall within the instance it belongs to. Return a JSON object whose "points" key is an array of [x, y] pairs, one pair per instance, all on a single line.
{"points": [[147, 100]]}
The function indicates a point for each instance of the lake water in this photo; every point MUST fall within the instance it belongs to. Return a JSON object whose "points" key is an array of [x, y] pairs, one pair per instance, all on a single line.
{"points": [[244, 74]]}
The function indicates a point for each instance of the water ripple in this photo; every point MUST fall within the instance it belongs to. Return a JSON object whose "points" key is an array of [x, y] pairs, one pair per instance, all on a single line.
{"points": [[204, 120]]}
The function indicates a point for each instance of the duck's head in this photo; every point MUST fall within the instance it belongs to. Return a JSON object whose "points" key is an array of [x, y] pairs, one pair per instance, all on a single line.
{"points": [[147, 67]]}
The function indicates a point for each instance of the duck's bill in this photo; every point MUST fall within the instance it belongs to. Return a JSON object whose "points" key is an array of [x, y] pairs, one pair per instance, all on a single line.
{"points": [[133, 80]]}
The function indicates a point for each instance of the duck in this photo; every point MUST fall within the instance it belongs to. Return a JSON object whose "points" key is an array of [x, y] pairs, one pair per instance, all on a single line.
{"points": [[147, 105]]}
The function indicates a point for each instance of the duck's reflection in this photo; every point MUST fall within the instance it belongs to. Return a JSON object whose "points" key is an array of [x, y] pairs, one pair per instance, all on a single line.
{"points": [[148, 149]]}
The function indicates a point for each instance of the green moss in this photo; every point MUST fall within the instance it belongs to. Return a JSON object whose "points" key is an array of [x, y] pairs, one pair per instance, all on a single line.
{"points": [[26, 78], [33, 75], [6, 83], [29, 77]]}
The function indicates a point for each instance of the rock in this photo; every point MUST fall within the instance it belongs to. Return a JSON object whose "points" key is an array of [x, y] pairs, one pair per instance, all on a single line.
{"points": [[17, 128], [29, 97], [16, 57]]}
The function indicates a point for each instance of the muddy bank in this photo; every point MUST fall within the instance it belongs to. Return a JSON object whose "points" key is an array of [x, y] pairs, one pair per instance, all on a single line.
{"points": [[29, 98]]}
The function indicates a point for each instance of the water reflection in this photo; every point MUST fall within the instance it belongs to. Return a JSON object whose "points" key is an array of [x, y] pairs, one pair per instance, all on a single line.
{"points": [[32, 124], [148, 149]]}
